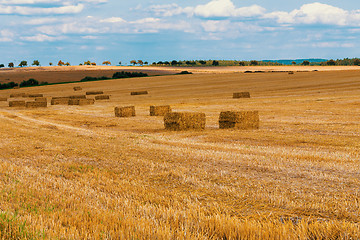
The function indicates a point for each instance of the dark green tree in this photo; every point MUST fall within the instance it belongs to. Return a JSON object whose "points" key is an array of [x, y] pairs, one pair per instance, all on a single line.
{"points": [[23, 64], [36, 63]]}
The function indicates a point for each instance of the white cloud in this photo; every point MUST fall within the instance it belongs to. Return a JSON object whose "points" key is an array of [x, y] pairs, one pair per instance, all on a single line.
{"points": [[41, 38], [113, 20], [169, 10], [332, 45], [71, 9], [41, 21], [317, 13], [226, 8], [6, 36], [100, 48], [215, 26]]}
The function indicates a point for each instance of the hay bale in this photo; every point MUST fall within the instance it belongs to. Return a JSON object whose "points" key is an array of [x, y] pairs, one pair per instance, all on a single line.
{"points": [[60, 101], [41, 99], [128, 111], [55, 98], [291, 72], [77, 97], [241, 95], [81, 102], [36, 104], [17, 103], [102, 97], [139, 93], [77, 89], [35, 95], [94, 93], [16, 95], [3, 99], [185, 120], [159, 110], [239, 120]]}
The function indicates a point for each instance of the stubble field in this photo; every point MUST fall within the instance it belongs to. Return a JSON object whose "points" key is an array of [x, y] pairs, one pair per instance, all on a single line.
{"points": [[77, 172]]}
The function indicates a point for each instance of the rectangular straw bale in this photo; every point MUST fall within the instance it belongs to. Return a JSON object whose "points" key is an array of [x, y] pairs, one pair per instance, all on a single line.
{"points": [[18, 103], [239, 120], [241, 95], [77, 88], [77, 97], [102, 97], [55, 98], [3, 99], [159, 110], [36, 104], [60, 101], [41, 99], [35, 95], [16, 95], [185, 120], [128, 111], [81, 102], [139, 93], [94, 93]]}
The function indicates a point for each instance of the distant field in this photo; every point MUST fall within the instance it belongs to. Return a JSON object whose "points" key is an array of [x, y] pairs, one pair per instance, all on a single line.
{"points": [[57, 74], [77, 172]]}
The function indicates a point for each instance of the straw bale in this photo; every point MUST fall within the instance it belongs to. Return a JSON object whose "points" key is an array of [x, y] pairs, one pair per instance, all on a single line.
{"points": [[77, 97], [102, 97], [17, 103], [77, 88], [184, 120], [241, 95], [16, 95], [239, 120], [36, 104], [94, 93], [41, 99], [139, 93], [3, 99], [128, 111], [81, 102], [159, 110], [16, 87], [60, 98], [60, 101], [35, 95]]}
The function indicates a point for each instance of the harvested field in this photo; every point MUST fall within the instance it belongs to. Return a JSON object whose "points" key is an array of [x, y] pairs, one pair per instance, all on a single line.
{"points": [[82, 173], [178, 121], [128, 111], [3, 99], [102, 97], [77, 97], [36, 104], [159, 110], [239, 120]]}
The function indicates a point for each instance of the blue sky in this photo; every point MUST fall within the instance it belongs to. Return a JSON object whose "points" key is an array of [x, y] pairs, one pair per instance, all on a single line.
{"points": [[121, 30]]}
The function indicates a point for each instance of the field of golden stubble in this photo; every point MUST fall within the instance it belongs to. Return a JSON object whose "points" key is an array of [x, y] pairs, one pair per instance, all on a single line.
{"points": [[77, 172]]}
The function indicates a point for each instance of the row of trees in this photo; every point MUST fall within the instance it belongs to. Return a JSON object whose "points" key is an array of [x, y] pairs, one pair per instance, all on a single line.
{"points": [[331, 62]]}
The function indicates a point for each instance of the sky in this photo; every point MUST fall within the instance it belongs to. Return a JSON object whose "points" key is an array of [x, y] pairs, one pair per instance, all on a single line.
{"points": [[152, 30]]}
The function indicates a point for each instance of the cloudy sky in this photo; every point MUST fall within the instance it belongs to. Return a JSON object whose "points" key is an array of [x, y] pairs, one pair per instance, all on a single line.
{"points": [[153, 30]]}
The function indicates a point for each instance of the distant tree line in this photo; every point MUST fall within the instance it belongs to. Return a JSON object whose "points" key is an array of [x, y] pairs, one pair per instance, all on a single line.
{"points": [[193, 63], [116, 75]]}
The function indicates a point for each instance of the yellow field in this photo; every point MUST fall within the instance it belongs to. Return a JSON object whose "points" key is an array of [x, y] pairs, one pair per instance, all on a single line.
{"points": [[77, 172]]}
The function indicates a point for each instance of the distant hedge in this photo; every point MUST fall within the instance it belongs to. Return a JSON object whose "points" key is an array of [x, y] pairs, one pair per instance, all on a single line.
{"points": [[8, 85], [116, 75]]}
